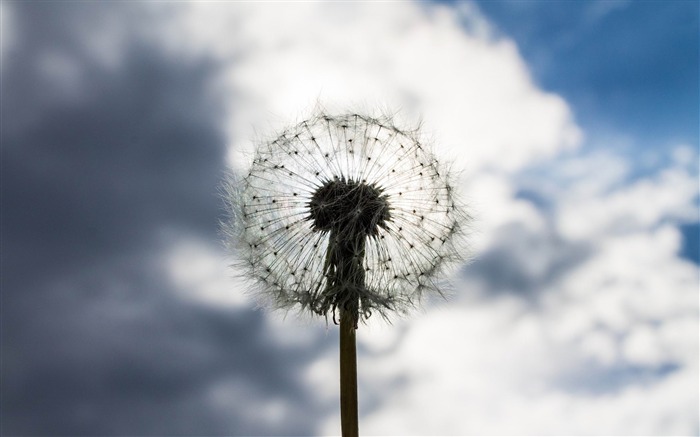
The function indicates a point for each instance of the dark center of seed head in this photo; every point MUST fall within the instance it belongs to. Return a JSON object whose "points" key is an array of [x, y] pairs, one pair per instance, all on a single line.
{"points": [[349, 207]]}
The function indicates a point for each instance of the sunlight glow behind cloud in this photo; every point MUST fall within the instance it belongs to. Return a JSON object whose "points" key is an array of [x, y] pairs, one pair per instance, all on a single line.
{"points": [[474, 92]]}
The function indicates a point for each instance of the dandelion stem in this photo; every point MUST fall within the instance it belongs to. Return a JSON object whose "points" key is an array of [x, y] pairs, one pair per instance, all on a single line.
{"points": [[346, 254], [348, 375]]}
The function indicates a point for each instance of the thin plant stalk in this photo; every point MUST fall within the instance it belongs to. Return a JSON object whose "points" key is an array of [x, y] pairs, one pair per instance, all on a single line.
{"points": [[345, 266], [348, 376]]}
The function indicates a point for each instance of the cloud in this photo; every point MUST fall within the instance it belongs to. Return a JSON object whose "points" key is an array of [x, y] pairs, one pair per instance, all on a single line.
{"points": [[537, 254], [472, 89], [111, 163], [201, 273], [7, 32], [668, 195], [598, 10], [120, 317], [604, 340]]}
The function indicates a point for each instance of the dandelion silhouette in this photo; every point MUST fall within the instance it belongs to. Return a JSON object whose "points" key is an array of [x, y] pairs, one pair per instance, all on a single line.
{"points": [[345, 216]]}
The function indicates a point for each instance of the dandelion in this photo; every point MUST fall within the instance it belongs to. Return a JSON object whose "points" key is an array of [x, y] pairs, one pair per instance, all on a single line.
{"points": [[345, 216]]}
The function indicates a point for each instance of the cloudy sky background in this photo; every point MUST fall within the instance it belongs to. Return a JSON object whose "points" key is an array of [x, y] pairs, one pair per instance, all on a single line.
{"points": [[575, 126]]}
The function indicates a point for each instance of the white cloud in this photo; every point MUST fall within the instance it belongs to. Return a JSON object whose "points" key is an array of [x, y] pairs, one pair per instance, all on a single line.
{"points": [[200, 273], [474, 91], [590, 359], [609, 345], [667, 195]]}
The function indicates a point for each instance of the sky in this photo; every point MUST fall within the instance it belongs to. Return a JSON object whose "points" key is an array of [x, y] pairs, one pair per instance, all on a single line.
{"points": [[574, 129]]}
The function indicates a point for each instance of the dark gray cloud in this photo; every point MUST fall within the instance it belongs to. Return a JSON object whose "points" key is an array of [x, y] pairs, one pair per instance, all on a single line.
{"points": [[94, 339], [525, 262]]}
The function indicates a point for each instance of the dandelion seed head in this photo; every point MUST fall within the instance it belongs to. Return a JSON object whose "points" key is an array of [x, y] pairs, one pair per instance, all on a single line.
{"points": [[345, 212]]}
